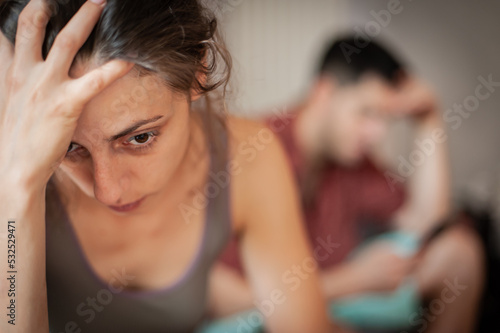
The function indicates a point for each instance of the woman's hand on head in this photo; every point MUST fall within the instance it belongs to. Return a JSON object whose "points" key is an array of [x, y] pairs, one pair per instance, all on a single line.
{"points": [[40, 103]]}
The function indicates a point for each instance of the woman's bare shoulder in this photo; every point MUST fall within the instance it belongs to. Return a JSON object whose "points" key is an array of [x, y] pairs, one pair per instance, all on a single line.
{"points": [[240, 126], [259, 166], [254, 145]]}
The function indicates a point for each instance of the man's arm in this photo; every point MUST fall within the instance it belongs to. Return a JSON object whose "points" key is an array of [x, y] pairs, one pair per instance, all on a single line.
{"points": [[428, 199], [377, 268]]}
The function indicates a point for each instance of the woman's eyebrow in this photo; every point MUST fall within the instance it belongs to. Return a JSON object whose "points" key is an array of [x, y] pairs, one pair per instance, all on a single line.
{"points": [[133, 127]]}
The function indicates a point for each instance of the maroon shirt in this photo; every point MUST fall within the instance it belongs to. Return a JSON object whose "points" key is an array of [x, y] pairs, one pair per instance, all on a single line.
{"points": [[348, 204]]}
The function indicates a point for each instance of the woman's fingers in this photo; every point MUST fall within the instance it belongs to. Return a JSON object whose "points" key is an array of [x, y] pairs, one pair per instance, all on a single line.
{"points": [[83, 89], [31, 32], [73, 36], [6, 57]]}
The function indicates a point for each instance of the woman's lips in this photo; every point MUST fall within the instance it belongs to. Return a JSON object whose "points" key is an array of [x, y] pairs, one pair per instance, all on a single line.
{"points": [[128, 207]]}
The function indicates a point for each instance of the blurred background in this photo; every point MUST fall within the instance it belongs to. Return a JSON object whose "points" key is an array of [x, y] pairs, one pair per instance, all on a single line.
{"points": [[276, 45]]}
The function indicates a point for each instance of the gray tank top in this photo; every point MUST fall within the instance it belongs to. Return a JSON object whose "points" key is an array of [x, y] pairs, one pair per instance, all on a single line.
{"points": [[79, 301]]}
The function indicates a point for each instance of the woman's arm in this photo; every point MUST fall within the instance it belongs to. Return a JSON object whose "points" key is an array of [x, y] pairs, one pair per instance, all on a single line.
{"points": [[229, 292], [22, 253], [39, 108], [278, 260]]}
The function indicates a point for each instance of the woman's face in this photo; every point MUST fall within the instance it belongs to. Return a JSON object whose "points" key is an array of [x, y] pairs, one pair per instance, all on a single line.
{"points": [[129, 141]]}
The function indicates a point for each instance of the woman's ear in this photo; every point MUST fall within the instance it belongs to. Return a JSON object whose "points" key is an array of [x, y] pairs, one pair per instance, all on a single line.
{"points": [[201, 80]]}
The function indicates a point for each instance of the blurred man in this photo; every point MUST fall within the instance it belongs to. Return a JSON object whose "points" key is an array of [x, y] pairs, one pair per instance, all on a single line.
{"points": [[349, 191]]}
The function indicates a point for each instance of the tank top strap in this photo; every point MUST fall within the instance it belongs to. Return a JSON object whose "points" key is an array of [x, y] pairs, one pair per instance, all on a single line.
{"points": [[217, 193]]}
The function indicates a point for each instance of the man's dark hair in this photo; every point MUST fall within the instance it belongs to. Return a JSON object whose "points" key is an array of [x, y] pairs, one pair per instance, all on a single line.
{"points": [[349, 58]]}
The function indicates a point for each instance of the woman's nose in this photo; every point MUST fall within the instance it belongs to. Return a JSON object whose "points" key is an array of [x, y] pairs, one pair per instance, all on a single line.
{"points": [[109, 182]]}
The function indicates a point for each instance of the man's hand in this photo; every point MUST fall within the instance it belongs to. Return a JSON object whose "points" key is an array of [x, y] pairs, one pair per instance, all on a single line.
{"points": [[414, 98], [379, 268]]}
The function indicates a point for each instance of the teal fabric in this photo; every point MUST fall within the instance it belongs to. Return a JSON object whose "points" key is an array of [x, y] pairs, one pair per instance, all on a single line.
{"points": [[404, 244], [250, 321], [381, 310], [378, 310]]}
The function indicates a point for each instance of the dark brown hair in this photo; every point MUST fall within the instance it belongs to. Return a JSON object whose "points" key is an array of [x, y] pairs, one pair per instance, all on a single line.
{"points": [[175, 40], [347, 61]]}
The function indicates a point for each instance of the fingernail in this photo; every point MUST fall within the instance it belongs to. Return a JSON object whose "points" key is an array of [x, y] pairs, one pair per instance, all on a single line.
{"points": [[98, 2]]}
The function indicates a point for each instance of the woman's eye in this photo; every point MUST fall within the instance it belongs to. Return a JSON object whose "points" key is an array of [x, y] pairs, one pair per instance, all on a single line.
{"points": [[138, 142], [70, 150], [142, 139]]}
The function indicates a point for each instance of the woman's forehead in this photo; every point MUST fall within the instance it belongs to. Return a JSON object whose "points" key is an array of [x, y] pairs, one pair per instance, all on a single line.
{"points": [[129, 97], [134, 86]]}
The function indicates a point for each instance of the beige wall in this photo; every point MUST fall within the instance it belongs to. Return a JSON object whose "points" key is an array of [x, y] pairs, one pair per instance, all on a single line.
{"points": [[448, 43], [274, 43]]}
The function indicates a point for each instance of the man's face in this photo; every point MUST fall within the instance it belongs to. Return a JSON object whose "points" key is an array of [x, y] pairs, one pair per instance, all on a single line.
{"points": [[356, 119]]}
